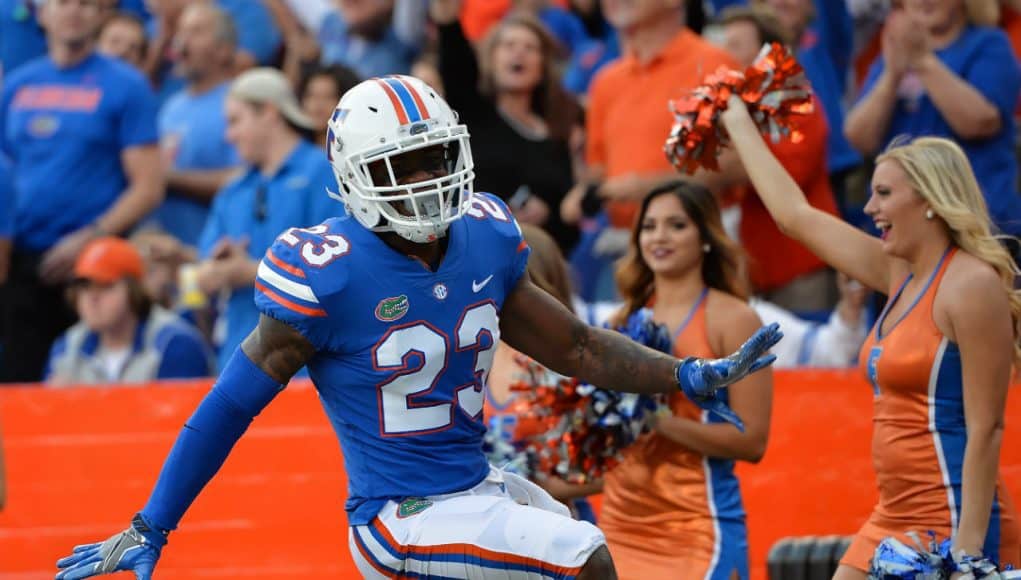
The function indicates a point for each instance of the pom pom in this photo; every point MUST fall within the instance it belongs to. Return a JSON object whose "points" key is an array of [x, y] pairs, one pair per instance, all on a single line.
{"points": [[773, 88], [895, 560], [573, 430]]}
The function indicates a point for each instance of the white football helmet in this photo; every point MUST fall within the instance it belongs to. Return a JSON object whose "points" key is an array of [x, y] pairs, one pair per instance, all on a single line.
{"points": [[380, 119]]}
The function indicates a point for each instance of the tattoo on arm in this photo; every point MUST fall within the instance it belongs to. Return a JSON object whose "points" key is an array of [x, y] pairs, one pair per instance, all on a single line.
{"points": [[610, 360], [277, 348], [538, 325]]}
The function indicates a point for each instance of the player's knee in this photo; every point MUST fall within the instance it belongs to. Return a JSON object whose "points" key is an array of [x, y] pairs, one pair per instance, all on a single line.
{"points": [[599, 566]]}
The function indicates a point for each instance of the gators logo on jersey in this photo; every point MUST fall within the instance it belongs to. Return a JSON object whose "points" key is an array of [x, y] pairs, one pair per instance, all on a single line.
{"points": [[390, 309], [412, 506]]}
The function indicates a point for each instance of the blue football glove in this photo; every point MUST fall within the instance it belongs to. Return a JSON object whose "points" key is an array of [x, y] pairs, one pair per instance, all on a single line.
{"points": [[700, 378], [136, 548]]}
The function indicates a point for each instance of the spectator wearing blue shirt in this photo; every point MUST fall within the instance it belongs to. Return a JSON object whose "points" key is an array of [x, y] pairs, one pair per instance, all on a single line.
{"points": [[80, 129], [122, 336], [259, 39], [364, 36], [284, 185], [943, 75], [21, 37], [192, 126]]}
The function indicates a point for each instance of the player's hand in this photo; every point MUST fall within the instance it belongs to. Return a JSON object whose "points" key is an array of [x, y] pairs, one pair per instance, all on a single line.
{"points": [[701, 378], [136, 549]]}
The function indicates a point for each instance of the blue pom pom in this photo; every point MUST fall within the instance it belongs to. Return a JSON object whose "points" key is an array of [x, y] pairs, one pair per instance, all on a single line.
{"points": [[895, 560], [641, 328]]}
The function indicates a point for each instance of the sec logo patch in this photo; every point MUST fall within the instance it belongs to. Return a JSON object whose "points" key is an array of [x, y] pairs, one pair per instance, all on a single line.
{"points": [[440, 291]]}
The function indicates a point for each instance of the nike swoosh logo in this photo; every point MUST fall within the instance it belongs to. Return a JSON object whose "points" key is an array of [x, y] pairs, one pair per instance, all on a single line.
{"points": [[476, 286]]}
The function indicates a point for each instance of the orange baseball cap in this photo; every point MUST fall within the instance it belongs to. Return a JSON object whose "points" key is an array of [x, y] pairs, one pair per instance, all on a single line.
{"points": [[107, 260]]}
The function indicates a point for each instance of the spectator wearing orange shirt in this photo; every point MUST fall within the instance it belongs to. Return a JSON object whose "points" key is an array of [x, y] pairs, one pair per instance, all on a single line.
{"points": [[628, 119], [627, 123], [781, 269]]}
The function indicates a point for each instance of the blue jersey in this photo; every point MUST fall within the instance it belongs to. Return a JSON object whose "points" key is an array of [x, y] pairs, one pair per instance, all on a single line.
{"points": [[402, 351]]}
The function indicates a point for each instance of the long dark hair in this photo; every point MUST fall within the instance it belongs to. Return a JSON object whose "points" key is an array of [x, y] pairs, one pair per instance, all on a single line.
{"points": [[549, 100], [723, 268]]}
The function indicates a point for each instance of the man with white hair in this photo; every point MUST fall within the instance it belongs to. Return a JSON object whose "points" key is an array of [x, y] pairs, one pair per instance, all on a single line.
{"points": [[192, 125]]}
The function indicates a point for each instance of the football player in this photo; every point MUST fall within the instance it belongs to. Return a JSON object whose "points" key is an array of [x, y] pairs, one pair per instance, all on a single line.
{"points": [[396, 310]]}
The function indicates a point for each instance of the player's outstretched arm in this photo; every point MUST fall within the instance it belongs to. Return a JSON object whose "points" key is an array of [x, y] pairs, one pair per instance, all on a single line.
{"points": [[267, 359], [536, 324]]}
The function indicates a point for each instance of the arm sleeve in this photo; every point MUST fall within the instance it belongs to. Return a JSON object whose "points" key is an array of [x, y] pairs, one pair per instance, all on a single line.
{"points": [[206, 440]]}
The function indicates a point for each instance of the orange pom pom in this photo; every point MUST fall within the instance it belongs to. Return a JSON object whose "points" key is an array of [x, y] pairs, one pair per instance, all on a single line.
{"points": [[773, 88]]}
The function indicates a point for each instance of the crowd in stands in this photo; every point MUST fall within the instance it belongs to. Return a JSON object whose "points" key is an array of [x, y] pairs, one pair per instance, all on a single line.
{"points": [[152, 150]]}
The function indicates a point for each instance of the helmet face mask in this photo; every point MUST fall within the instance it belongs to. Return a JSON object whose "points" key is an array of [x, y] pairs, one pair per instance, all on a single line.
{"points": [[407, 171]]}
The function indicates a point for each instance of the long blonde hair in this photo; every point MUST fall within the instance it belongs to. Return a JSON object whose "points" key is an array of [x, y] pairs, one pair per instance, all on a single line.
{"points": [[940, 172]]}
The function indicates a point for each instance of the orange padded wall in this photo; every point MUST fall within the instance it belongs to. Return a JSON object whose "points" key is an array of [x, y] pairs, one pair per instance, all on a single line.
{"points": [[81, 461]]}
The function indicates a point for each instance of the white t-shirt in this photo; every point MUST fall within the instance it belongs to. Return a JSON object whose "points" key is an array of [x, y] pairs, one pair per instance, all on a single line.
{"points": [[113, 362]]}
